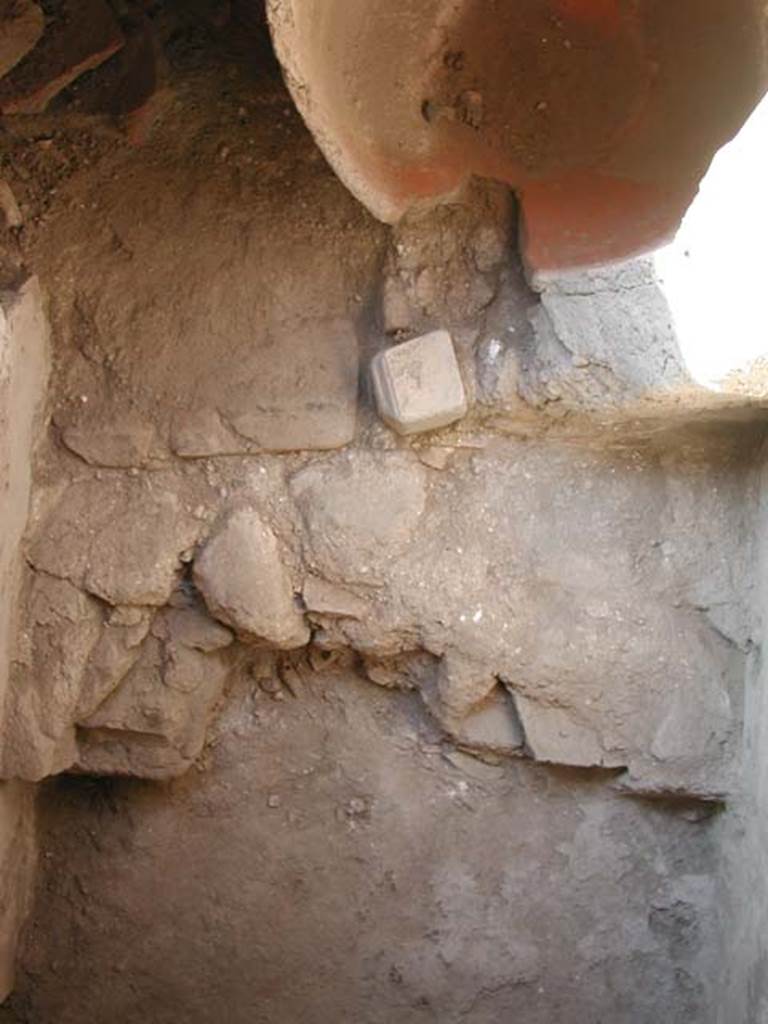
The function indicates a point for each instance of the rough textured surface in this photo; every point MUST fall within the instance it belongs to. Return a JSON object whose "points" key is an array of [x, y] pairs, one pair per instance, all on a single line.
{"points": [[418, 384], [246, 585], [743, 833], [81, 35], [360, 511], [24, 364], [525, 513], [21, 25], [306, 399], [336, 862], [357, 828], [24, 359], [18, 857], [122, 543], [64, 625], [578, 363], [154, 723]]}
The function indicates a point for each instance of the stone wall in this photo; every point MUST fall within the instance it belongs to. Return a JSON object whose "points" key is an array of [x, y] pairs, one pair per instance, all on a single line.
{"points": [[358, 722], [23, 379], [744, 834]]}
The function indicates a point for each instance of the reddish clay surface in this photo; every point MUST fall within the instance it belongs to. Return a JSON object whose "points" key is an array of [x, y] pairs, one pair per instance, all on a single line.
{"points": [[602, 114]]}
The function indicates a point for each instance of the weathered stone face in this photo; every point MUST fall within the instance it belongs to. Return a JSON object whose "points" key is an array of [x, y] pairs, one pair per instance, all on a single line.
{"points": [[24, 368], [246, 585], [122, 545], [298, 392], [418, 384], [154, 723]]}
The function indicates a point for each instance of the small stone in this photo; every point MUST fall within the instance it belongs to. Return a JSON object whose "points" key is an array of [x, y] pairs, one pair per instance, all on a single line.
{"points": [[262, 666], [245, 584], [462, 684], [357, 807], [396, 309], [492, 727], [291, 678], [273, 800], [435, 458], [418, 384], [129, 616], [191, 627], [330, 599], [381, 673], [9, 206]]}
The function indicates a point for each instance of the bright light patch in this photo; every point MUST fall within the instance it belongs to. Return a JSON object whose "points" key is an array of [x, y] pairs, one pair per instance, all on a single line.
{"points": [[715, 273]]}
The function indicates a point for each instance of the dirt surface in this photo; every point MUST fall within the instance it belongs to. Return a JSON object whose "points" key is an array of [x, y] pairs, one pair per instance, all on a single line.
{"points": [[333, 861]]}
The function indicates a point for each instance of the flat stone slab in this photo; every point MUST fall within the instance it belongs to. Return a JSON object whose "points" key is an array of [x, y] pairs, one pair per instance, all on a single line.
{"points": [[295, 391], [418, 384]]}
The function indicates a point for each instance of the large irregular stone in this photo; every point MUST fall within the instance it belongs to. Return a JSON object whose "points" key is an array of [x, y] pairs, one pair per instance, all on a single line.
{"points": [[39, 734], [242, 577], [469, 704], [691, 751], [418, 384], [104, 435], [555, 735], [491, 726], [154, 725], [21, 25], [361, 510], [82, 35], [119, 539], [113, 654]]}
